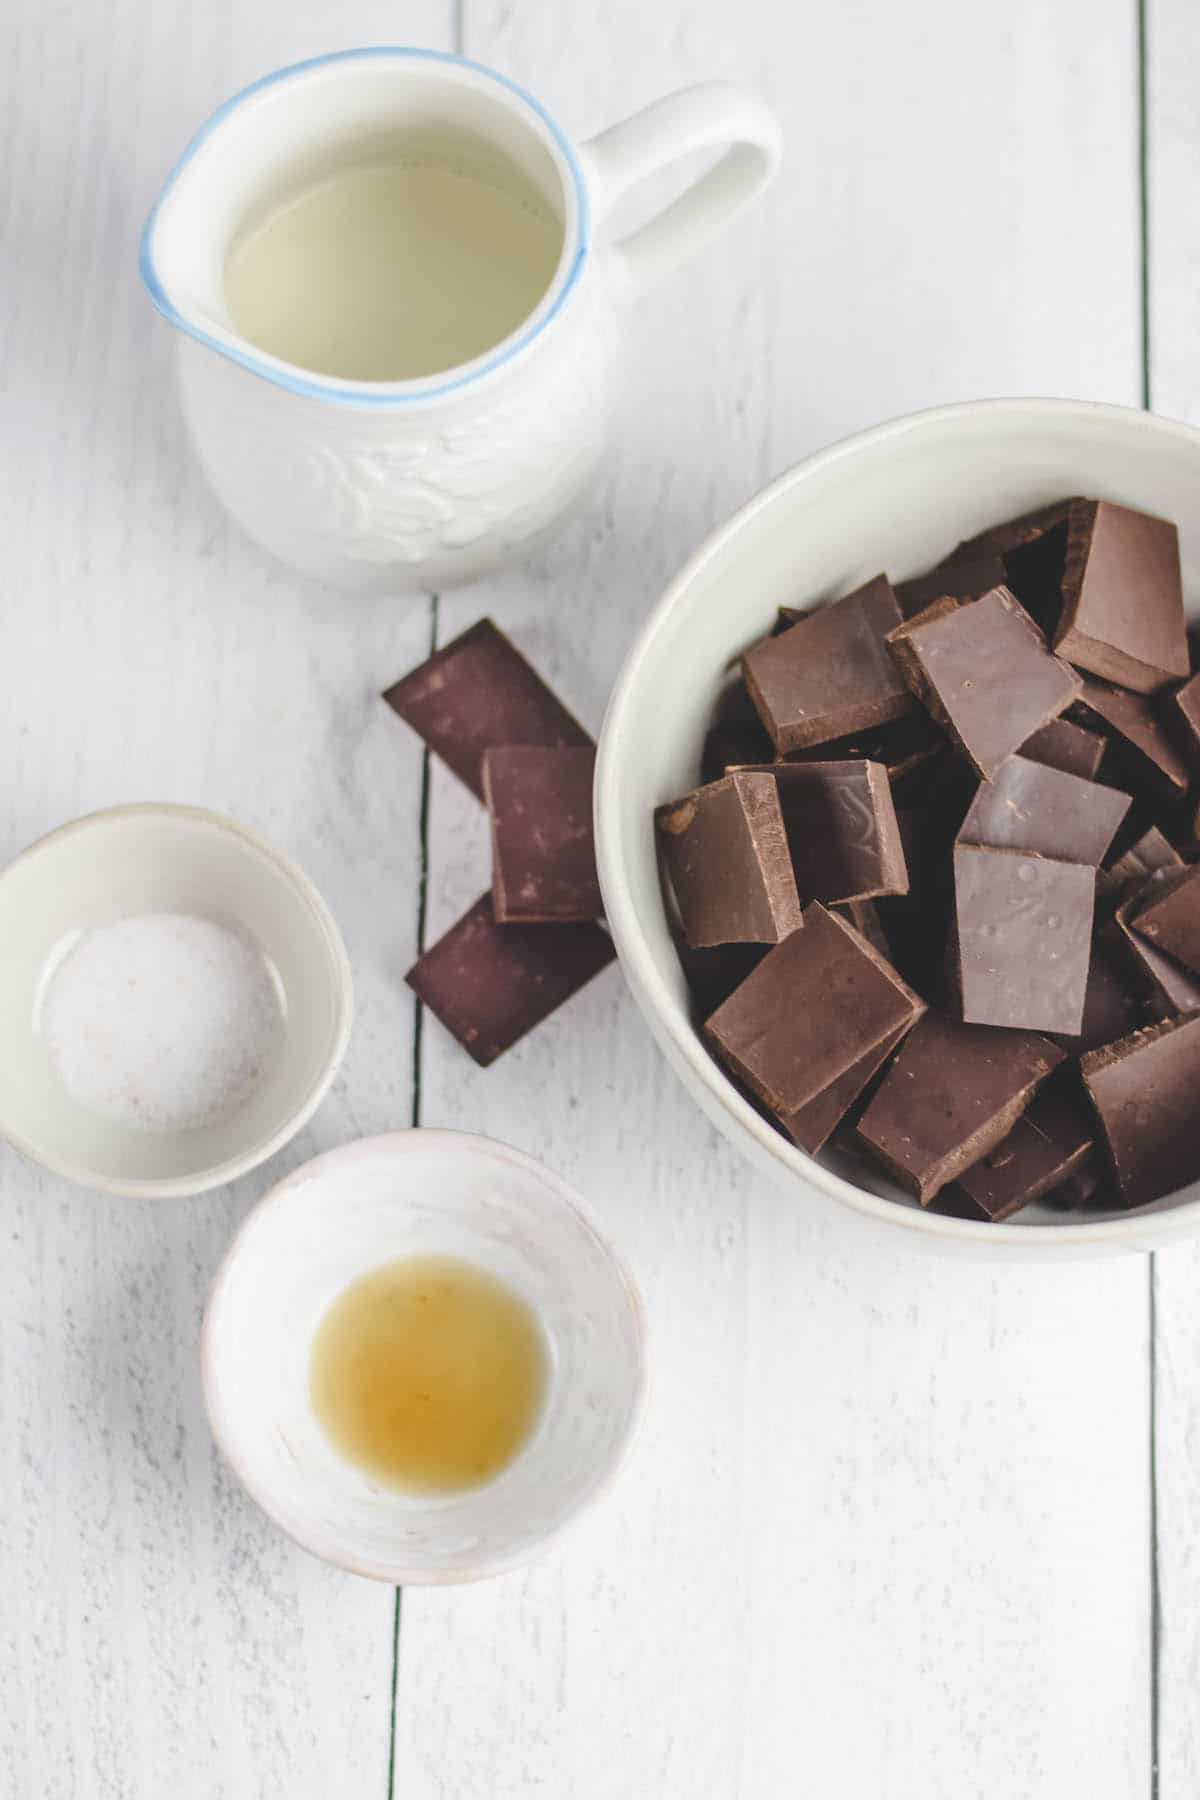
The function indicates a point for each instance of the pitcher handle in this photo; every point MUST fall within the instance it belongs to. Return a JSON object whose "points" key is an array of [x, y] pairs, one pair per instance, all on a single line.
{"points": [[695, 118]]}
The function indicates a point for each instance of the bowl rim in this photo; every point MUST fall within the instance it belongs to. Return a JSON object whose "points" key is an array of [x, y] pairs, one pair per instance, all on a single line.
{"points": [[399, 1143], [673, 1031], [178, 1187]]}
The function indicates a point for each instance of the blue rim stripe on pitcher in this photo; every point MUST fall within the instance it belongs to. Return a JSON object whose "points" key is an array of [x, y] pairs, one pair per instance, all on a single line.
{"points": [[366, 394]]}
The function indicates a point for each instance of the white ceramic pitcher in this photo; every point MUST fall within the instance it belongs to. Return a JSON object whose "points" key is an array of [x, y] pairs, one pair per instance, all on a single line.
{"points": [[411, 485]]}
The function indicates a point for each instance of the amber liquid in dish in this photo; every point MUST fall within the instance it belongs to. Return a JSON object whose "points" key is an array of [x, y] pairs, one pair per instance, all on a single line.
{"points": [[428, 1374]]}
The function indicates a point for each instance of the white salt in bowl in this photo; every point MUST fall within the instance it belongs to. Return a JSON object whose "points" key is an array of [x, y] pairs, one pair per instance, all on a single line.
{"points": [[174, 1001], [421, 1193], [896, 498]]}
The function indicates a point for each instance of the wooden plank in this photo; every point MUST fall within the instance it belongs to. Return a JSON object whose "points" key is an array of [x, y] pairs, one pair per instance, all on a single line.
{"points": [[1173, 367], [156, 1634], [886, 1530]]}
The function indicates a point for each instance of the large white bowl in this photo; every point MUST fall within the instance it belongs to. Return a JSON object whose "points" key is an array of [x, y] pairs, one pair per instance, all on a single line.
{"points": [[895, 498], [413, 1193]]}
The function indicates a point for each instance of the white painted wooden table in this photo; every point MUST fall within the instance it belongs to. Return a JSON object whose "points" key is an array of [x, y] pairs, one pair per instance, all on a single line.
{"points": [[895, 1527]]}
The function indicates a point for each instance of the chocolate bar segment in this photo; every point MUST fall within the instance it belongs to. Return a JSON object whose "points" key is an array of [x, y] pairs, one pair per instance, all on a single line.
{"points": [[819, 1002], [1024, 938], [1050, 1141], [726, 851], [1185, 709], [1122, 597], [903, 746], [985, 671], [1176, 986], [953, 1092], [1027, 806], [1010, 534], [489, 984], [477, 692], [1170, 918], [830, 674], [959, 580], [814, 1124], [1152, 759], [1144, 1089], [841, 830], [539, 803], [1071, 748], [1146, 855]]}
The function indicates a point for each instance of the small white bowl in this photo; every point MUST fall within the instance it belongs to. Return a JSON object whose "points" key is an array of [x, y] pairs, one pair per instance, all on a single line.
{"points": [[895, 498], [153, 859], [410, 1193]]}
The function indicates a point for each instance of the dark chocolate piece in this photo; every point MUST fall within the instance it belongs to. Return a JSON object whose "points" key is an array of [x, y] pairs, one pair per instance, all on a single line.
{"points": [[1034, 573], [864, 916], [1170, 917], [543, 856], [1147, 854], [1155, 759], [1024, 938], [477, 692], [1122, 598], [814, 1124], [841, 830], [999, 540], [1177, 986], [985, 671], [1049, 1142], [1144, 1089], [819, 1002], [830, 674], [1071, 748], [903, 746], [489, 984], [726, 852], [1027, 806], [1184, 709], [1115, 1003], [959, 580], [713, 973], [952, 1093]]}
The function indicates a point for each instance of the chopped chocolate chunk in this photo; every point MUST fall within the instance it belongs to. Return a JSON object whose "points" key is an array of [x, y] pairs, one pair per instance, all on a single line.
{"points": [[1122, 599], [1027, 806], [1170, 917], [841, 830], [985, 671], [1034, 573], [726, 851], [1184, 709], [1051, 1140], [1026, 528], [489, 984], [1024, 938], [1176, 985], [1061, 745], [1149, 852], [864, 916], [814, 1124], [1153, 760], [1144, 1089], [713, 973], [476, 692], [1116, 1001], [953, 1092], [543, 857], [818, 1003], [959, 580], [903, 746], [830, 674]]}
